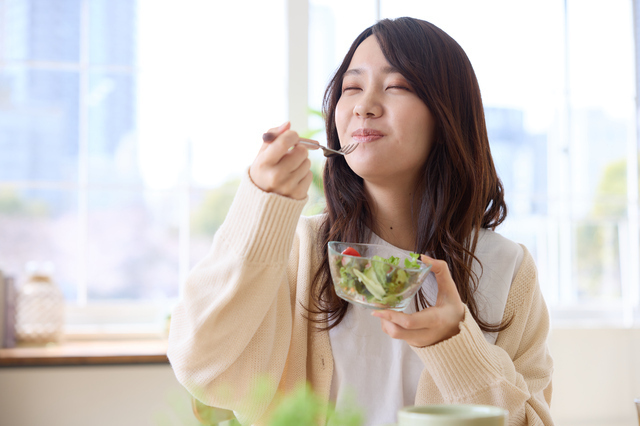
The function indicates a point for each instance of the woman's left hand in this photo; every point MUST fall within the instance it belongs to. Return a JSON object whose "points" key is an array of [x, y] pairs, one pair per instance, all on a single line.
{"points": [[431, 325]]}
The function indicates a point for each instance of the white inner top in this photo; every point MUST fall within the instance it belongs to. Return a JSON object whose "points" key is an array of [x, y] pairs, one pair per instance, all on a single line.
{"points": [[380, 374]]}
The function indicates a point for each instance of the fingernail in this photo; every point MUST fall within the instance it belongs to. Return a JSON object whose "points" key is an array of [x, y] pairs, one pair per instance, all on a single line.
{"points": [[375, 314], [268, 137], [282, 126]]}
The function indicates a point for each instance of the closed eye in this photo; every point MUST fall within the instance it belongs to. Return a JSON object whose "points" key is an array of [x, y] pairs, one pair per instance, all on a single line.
{"points": [[344, 89], [400, 87]]}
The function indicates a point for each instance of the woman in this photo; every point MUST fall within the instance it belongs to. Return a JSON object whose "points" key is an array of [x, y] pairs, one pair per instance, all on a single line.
{"points": [[422, 179]]}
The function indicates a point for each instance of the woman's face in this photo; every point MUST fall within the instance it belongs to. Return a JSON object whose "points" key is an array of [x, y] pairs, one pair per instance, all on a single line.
{"points": [[379, 110]]}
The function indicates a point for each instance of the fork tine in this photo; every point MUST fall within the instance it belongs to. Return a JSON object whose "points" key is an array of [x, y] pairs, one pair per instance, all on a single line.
{"points": [[349, 148]]}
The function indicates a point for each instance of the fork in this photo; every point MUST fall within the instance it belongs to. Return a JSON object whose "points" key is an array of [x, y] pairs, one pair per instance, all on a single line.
{"points": [[328, 152]]}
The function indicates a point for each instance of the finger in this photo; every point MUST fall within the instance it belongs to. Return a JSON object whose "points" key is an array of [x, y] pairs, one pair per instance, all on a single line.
{"points": [[407, 322], [271, 134], [438, 267], [274, 132], [291, 170], [308, 146], [296, 184], [276, 150], [306, 181], [292, 175], [302, 188], [294, 157], [427, 318], [418, 338], [298, 176], [301, 171]]}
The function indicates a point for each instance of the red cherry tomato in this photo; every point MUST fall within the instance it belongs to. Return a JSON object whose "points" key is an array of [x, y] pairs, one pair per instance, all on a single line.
{"points": [[350, 251]]}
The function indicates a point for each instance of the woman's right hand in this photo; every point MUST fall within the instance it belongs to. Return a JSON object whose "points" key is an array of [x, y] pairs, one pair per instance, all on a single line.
{"points": [[282, 166]]}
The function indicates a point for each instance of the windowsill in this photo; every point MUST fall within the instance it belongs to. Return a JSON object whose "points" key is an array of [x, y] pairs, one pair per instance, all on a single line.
{"points": [[87, 352]]}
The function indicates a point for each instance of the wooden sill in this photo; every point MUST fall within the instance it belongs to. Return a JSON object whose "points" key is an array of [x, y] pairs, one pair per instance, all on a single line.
{"points": [[107, 352]]}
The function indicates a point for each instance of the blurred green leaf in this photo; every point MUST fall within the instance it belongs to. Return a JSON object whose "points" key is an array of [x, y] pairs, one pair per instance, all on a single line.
{"points": [[207, 218], [11, 204]]}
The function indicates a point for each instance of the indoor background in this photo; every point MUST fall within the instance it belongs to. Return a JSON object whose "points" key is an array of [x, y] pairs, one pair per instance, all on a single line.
{"points": [[125, 126]]}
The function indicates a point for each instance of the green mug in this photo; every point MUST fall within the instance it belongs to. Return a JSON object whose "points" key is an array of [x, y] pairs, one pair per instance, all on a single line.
{"points": [[452, 415]]}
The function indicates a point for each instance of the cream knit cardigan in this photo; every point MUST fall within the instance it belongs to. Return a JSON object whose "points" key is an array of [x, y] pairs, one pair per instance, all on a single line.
{"points": [[241, 317]]}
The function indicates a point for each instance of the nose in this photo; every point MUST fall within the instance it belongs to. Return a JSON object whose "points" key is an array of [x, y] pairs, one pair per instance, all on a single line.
{"points": [[368, 106]]}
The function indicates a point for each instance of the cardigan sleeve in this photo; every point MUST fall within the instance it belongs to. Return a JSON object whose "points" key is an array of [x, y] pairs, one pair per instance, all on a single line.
{"points": [[514, 374], [233, 323]]}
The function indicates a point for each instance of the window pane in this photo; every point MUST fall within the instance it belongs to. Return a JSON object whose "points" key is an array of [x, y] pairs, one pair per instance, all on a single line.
{"points": [[40, 225], [208, 87], [112, 32], [208, 210], [597, 261], [601, 89], [41, 30], [38, 124], [601, 63], [113, 143], [602, 134], [560, 113], [132, 245], [520, 157], [333, 25], [520, 72], [599, 143]]}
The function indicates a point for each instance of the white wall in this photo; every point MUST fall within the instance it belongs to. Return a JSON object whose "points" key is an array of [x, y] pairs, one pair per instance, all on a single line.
{"points": [[145, 395], [597, 376]]}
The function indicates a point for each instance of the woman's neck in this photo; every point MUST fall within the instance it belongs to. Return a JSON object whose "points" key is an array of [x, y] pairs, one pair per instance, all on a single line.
{"points": [[393, 219]]}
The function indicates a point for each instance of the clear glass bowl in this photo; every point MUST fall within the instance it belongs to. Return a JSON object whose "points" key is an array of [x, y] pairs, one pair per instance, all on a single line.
{"points": [[371, 282]]}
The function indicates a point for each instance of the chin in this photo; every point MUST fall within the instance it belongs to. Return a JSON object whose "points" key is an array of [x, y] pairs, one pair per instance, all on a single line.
{"points": [[368, 172]]}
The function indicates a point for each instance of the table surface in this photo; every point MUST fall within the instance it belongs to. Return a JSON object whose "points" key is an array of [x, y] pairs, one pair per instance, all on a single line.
{"points": [[147, 351]]}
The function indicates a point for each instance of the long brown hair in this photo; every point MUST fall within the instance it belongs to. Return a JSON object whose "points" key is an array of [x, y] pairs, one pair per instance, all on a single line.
{"points": [[458, 192]]}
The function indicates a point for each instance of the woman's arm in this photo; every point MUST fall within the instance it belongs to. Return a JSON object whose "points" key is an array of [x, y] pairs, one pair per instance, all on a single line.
{"points": [[515, 373], [233, 323]]}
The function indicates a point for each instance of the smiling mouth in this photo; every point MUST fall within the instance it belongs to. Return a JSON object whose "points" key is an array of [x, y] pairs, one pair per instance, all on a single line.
{"points": [[366, 135]]}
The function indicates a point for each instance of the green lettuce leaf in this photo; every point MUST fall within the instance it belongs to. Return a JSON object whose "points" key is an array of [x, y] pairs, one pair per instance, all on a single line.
{"points": [[413, 263], [369, 280]]}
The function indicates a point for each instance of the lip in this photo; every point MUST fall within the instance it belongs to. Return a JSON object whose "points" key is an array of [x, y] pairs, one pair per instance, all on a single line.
{"points": [[366, 135]]}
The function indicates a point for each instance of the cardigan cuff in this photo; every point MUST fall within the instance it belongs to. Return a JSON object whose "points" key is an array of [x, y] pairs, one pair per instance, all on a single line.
{"points": [[260, 226], [463, 363]]}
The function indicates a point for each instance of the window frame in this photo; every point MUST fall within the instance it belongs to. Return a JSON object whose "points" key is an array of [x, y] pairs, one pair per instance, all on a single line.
{"points": [[148, 318]]}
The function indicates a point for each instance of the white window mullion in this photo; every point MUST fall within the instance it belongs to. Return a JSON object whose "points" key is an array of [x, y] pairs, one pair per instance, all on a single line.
{"points": [[633, 198], [560, 178], [3, 26], [83, 155], [297, 55], [184, 225]]}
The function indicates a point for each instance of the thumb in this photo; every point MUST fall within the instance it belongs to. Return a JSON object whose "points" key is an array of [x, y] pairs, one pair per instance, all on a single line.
{"points": [[446, 286]]}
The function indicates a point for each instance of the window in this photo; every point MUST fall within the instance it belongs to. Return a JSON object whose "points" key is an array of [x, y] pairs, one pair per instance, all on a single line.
{"points": [[121, 122], [125, 126], [558, 85]]}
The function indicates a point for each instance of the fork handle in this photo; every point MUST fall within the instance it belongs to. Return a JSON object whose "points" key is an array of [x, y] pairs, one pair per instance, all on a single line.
{"points": [[270, 137]]}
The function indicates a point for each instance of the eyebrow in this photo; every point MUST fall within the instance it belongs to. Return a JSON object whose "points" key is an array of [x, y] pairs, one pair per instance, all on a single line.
{"points": [[358, 71]]}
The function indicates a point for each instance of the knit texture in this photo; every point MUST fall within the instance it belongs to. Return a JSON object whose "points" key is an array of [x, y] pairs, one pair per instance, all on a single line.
{"points": [[241, 319]]}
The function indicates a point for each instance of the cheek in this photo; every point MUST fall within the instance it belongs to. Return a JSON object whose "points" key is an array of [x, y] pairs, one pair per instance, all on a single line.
{"points": [[341, 118], [425, 127]]}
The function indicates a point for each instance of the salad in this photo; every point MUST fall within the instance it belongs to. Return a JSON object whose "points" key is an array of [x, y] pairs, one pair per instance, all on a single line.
{"points": [[377, 280]]}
